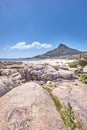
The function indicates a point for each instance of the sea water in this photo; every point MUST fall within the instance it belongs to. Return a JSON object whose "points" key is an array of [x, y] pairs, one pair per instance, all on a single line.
{"points": [[21, 60]]}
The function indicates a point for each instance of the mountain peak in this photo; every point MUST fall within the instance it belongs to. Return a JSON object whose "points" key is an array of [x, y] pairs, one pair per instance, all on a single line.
{"points": [[61, 50], [61, 45]]}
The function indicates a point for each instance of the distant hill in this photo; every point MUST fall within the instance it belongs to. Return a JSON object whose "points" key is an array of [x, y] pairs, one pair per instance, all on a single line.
{"points": [[61, 50]]}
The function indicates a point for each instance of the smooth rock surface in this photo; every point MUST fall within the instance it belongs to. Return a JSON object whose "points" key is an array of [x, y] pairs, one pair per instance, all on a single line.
{"points": [[76, 95], [40, 72], [65, 74], [45, 73], [8, 83], [29, 107]]}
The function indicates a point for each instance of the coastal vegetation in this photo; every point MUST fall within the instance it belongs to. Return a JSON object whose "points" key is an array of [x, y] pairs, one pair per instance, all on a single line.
{"points": [[82, 60], [83, 78], [73, 64], [80, 64], [67, 113], [55, 67]]}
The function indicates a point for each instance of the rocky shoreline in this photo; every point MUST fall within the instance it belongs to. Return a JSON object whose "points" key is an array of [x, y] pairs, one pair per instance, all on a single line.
{"points": [[61, 83]]}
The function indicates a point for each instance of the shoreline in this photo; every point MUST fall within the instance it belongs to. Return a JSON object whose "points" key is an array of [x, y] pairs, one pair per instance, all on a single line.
{"points": [[49, 61], [41, 61]]}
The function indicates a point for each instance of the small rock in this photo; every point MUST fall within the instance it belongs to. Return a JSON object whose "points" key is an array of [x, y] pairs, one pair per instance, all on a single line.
{"points": [[49, 82]]}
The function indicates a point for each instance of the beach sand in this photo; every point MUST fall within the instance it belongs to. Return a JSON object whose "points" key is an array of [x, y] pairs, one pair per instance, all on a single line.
{"points": [[50, 61]]}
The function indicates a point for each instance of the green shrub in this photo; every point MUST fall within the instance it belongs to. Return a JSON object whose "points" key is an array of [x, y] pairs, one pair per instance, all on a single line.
{"points": [[54, 98], [55, 67], [57, 102], [83, 78], [77, 73], [75, 84], [50, 85], [66, 113], [69, 117], [73, 64], [82, 62]]}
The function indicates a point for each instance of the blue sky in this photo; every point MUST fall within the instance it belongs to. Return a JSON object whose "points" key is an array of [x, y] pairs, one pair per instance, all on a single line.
{"points": [[32, 27]]}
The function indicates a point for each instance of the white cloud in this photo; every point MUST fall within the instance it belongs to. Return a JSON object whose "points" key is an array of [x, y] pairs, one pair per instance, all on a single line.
{"points": [[23, 45]]}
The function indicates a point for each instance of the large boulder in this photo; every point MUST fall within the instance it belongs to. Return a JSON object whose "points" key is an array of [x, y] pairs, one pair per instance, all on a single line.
{"points": [[2, 66], [29, 107], [8, 83], [76, 95], [45, 73], [51, 75], [40, 72], [65, 74], [7, 72]]}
